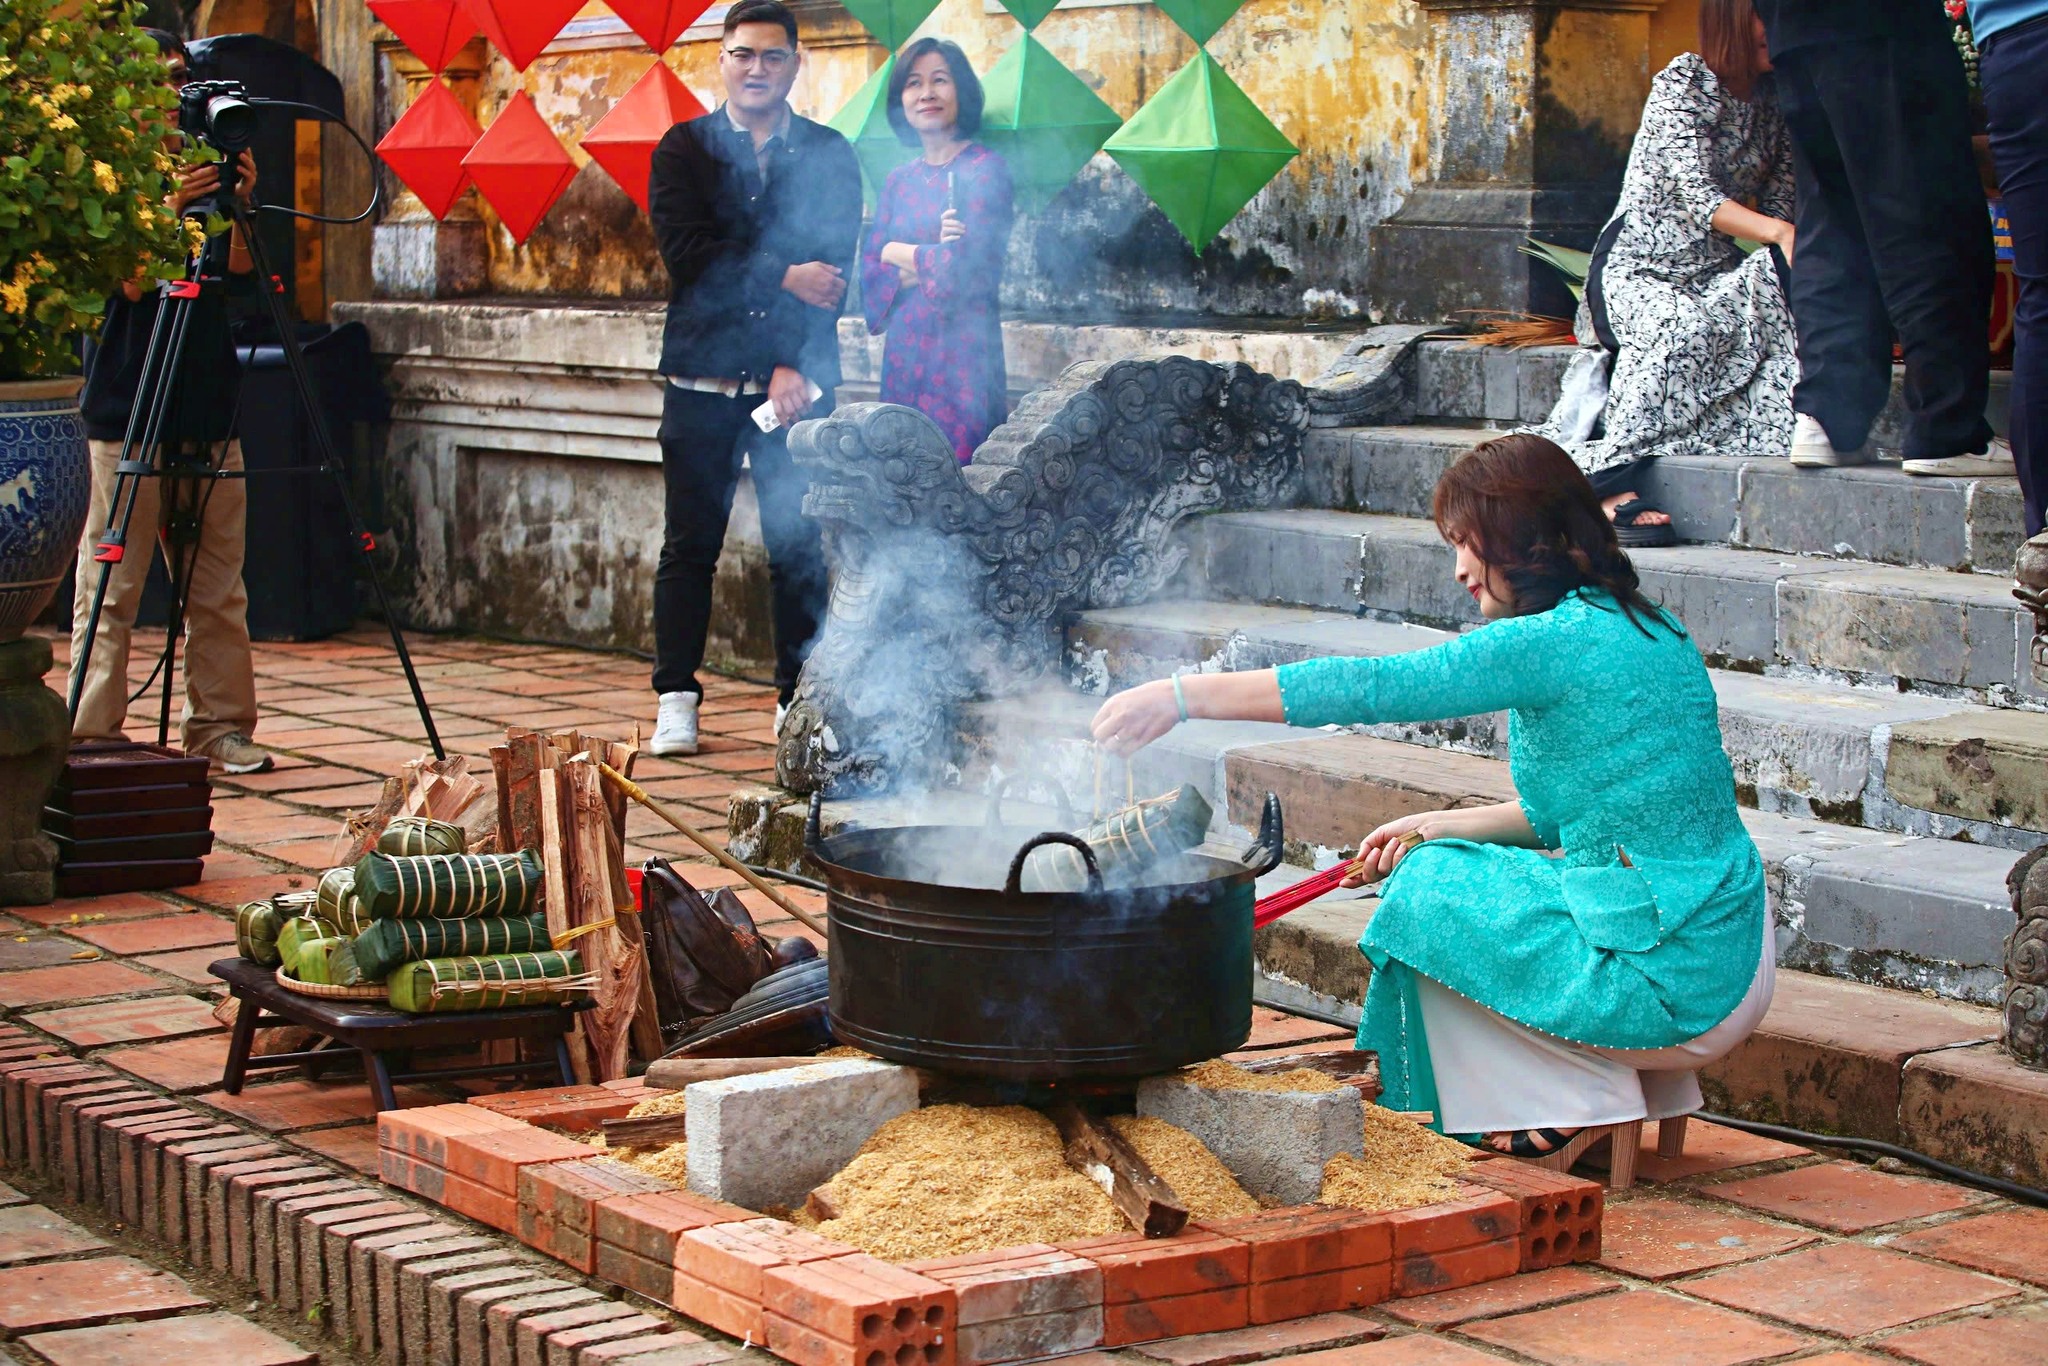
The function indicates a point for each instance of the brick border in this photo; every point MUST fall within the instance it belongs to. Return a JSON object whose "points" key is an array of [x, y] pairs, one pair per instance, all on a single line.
{"points": [[505, 1161]]}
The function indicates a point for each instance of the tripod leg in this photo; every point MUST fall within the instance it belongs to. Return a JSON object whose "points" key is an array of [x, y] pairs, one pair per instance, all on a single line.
{"points": [[183, 524], [330, 460]]}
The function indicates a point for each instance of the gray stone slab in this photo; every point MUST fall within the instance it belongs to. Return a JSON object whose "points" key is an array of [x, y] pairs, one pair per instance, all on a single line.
{"points": [[1405, 570], [1299, 559], [1450, 380], [1726, 598], [1961, 630], [1871, 512], [769, 1139], [1997, 525], [1805, 746], [1700, 493], [1933, 899], [1275, 1143]]}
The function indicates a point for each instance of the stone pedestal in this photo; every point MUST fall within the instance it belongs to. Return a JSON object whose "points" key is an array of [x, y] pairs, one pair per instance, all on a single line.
{"points": [[35, 732], [1532, 109], [2030, 586]]}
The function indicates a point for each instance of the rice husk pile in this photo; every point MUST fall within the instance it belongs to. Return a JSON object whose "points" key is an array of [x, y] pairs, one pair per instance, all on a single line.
{"points": [[670, 1161], [1185, 1163], [1405, 1165], [952, 1179], [1218, 1075]]}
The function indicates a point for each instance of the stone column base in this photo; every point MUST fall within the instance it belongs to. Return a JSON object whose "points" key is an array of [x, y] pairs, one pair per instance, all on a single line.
{"points": [[35, 733], [429, 260], [1453, 247]]}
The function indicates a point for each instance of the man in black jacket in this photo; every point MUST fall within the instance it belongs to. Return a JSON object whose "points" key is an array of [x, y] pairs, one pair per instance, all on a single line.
{"points": [[757, 213]]}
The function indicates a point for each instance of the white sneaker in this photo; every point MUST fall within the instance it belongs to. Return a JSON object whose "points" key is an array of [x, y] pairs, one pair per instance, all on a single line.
{"points": [[781, 715], [236, 753], [675, 728], [1811, 448], [1993, 464]]}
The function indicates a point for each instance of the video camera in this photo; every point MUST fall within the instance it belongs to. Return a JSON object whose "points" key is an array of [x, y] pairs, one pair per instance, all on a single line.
{"points": [[220, 115]]}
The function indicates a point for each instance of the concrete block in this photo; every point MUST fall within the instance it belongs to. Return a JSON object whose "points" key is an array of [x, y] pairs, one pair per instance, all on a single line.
{"points": [[1502, 373], [1395, 470], [1801, 743], [1933, 899], [1275, 1142], [1958, 629], [1977, 1108], [363, 1254], [1979, 764], [302, 1239], [269, 1267], [771, 1138], [1539, 377], [1335, 788]]}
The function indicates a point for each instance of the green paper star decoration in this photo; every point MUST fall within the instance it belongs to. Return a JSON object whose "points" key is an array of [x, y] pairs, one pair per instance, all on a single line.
{"points": [[1030, 13], [1042, 119], [864, 122], [1201, 149], [1200, 19], [891, 21]]}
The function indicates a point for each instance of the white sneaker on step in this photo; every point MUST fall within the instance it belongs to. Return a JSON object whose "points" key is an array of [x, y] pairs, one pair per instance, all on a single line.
{"points": [[781, 715], [675, 727], [1993, 464], [1811, 448]]}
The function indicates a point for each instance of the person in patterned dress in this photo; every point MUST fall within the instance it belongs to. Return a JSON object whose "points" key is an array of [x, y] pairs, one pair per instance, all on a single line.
{"points": [[932, 270], [1686, 299]]}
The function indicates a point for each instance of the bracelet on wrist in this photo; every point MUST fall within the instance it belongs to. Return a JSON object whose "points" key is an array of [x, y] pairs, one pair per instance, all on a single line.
{"points": [[1180, 699]]}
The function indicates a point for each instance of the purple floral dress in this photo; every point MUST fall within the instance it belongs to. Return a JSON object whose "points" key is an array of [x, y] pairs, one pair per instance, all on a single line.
{"points": [[945, 351]]}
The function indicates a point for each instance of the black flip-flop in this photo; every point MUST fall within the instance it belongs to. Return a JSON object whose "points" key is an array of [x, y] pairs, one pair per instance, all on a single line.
{"points": [[1520, 1146], [1631, 531]]}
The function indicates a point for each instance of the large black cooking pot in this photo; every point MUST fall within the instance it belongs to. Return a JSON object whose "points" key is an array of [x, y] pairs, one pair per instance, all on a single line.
{"points": [[939, 960]]}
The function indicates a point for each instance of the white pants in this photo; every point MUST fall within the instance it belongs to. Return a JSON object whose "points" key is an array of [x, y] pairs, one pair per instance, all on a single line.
{"points": [[1494, 1074]]}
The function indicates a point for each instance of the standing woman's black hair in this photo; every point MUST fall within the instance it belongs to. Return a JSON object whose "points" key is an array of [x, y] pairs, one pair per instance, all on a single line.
{"points": [[966, 87]]}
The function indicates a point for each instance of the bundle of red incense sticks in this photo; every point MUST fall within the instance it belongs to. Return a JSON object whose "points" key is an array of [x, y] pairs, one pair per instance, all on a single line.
{"points": [[1271, 908]]}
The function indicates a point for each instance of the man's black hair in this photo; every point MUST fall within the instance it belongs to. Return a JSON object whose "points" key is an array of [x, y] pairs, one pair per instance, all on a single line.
{"points": [[761, 12], [169, 45], [966, 89]]}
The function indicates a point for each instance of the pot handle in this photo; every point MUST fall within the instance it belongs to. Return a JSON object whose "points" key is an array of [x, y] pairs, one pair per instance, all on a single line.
{"points": [[1266, 851], [997, 792], [814, 823], [1013, 885]]}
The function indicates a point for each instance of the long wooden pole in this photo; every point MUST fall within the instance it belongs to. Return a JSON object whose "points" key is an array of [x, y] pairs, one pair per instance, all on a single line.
{"points": [[755, 880]]}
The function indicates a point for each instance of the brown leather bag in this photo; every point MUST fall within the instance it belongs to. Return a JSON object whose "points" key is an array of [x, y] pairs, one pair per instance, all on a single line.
{"points": [[703, 952]]}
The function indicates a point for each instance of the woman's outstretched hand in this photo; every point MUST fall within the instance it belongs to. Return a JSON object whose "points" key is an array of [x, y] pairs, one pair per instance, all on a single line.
{"points": [[1379, 852], [1136, 717]]}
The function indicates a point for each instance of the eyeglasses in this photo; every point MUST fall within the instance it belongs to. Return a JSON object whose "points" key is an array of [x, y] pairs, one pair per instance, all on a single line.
{"points": [[774, 59]]}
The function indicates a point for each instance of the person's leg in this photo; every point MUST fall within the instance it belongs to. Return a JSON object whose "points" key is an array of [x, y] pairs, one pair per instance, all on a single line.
{"points": [[700, 468], [103, 706], [796, 553], [1844, 337], [1901, 113], [220, 678], [2011, 75]]}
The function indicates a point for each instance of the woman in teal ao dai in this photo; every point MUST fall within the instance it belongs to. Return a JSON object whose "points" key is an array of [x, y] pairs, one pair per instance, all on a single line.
{"points": [[1569, 959]]}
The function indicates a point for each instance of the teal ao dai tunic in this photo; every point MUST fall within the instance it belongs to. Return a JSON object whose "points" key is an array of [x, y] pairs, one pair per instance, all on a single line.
{"points": [[1614, 743]]}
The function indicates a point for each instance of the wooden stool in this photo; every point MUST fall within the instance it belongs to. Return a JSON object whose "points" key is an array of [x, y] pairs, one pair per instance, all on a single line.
{"points": [[1626, 1140], [385, 1038]]}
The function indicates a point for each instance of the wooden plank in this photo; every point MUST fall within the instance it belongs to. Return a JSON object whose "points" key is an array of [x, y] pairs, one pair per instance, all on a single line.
{"points": [[555, 847], [648, 1131], [595, 890], [1099, 1153], [673, 1074], [1358, 1067]]}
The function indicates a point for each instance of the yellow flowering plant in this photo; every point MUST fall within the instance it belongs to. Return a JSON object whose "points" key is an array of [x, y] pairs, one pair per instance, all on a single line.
{"points": [[83, 182]]}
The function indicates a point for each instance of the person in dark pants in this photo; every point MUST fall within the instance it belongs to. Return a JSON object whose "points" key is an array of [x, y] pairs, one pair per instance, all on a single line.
{"points": [[1891, 229], [2012, 69], [757, 213]]}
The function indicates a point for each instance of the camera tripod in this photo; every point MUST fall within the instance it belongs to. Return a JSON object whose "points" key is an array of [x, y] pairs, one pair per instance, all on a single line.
{"points": [[188, 481]]}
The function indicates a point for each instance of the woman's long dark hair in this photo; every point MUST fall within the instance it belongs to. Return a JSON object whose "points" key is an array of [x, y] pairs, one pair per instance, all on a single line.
{"points": [[1521, 505]]}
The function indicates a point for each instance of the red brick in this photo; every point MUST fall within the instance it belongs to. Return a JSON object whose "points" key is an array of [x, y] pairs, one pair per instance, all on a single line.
{"points": [[1636, 1329], [864, 1302], [182, 1168], [77, 1294], [733, 1256], [1477, 1216], [1985, 1340], [187, 931], [1036, 1280], [1413, 1350], [648, 1225], [1495, 1299], [422, 1132], [1560, 1214], [1847, 1289], [1262, 1341], [283, 1106], [68, 911], [20, 1090], [141, 1161], [1290, 1243], [557, 1204], [1657, 1239], [120, 1176], [2008, 1243], [1136, 1268], [213, 1337], [479, 1202], [642, 1275], [190, 964], [1322, 1292], [1210, 1311], [187, 1065], [494, 1159], [1427, 1273], [30, 1232], [1845, 1197], [1710, 1148], [44, 1135], [352, 1145], [726, 1310], [154, 1017], [79, 1140], [73, 982]]}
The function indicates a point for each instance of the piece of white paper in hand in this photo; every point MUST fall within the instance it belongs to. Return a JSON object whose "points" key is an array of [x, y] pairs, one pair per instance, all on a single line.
{"points": [[764, 416]]}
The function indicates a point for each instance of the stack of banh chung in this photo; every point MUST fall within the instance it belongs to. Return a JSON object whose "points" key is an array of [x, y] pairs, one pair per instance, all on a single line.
{"points": [[439, 929]]}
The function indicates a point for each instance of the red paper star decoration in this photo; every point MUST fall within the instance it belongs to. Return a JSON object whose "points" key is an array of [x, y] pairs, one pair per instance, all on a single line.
{"points": [[521, 29], [623, 140], [520, 167], [426, 146], [659, 22], [435, 30]]}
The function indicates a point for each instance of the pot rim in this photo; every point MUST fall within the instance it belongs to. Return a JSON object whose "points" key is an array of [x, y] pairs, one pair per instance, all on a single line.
{"points": [[31, 390]]}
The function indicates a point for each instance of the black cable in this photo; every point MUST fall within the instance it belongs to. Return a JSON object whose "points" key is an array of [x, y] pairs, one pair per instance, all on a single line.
{"points": [[315, 112], [2011, 1190], [808, 883]]}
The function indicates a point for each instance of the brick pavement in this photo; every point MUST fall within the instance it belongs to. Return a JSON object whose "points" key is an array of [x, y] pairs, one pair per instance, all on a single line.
{"points": [[1743, 1251]]}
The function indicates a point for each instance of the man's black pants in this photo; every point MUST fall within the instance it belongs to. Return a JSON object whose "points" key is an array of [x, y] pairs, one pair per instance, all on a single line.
{"points": [[1892, 238], [2013, 72], [703, 437]]}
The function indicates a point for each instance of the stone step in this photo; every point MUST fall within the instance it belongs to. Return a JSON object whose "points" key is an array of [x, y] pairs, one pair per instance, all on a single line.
{"points": [[1462, 382], [1747, 609], [1906, 763], [1874, 512]]}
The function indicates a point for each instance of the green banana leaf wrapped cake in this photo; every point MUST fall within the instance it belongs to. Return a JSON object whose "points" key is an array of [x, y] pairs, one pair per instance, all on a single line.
{"points": [[327, 962], [336, 901], [300, 930], [440, 985], [448, 886], [256, 928], [407, 836], [387, 943]]}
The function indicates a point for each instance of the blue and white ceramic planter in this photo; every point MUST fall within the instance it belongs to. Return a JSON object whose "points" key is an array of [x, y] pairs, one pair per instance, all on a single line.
{"points": [[45, 483]]}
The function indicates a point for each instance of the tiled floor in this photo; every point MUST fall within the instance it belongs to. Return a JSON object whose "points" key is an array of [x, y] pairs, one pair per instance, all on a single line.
{"points": [[1743, 1251]]}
